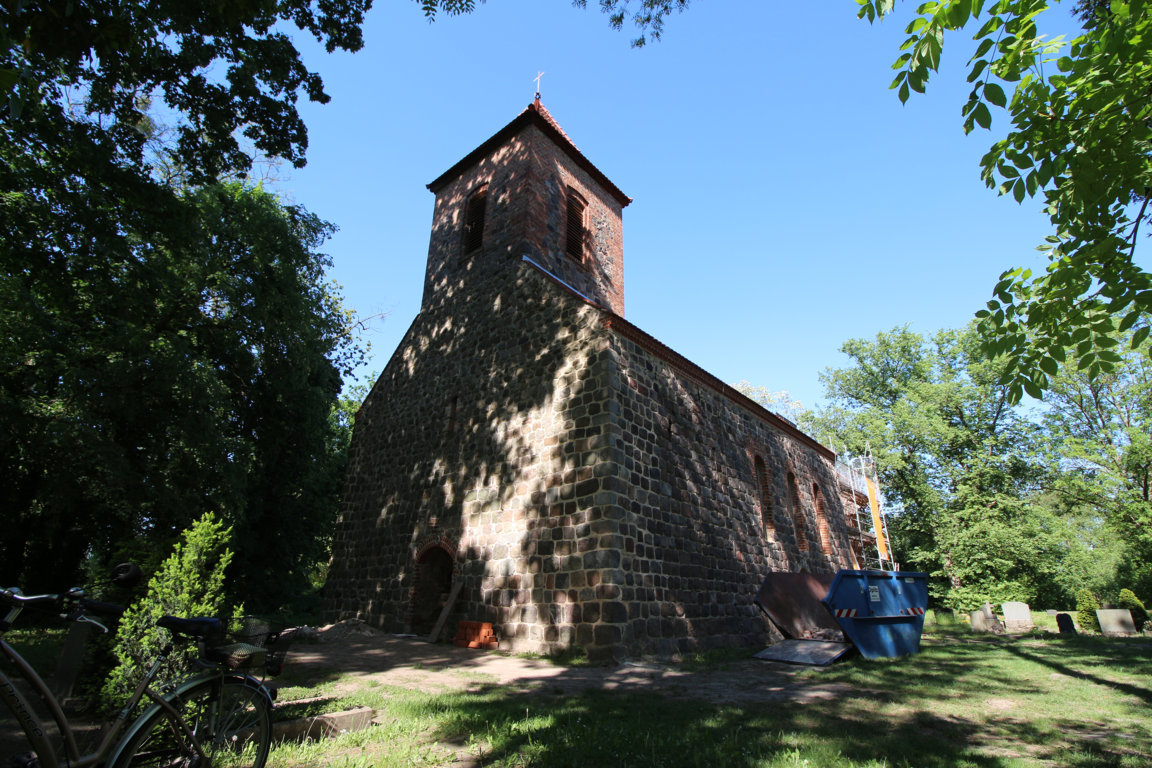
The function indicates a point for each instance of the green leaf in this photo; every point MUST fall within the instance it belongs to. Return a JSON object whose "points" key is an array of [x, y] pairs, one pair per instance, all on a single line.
{"points": [[1139, 337], [1129, 320], [1049, 366], [979, 66], [982, 116], [995, 94]]}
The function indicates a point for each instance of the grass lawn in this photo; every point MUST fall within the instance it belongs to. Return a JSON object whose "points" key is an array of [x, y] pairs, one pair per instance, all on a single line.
{"points": [[965, 700]]}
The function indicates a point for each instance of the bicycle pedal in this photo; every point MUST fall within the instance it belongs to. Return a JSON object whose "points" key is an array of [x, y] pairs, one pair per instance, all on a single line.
{"points": [[25, 760]]}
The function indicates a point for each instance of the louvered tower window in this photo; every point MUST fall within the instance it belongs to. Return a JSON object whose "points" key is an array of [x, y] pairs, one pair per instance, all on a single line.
{"points": [[474, 220], [574, 242]]}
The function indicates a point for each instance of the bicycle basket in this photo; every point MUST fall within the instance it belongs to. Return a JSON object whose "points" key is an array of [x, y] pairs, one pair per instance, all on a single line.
{"points": [[274, 641]]}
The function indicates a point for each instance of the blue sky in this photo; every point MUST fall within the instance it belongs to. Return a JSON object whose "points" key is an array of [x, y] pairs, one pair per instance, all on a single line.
{"points": [[783, 199]]}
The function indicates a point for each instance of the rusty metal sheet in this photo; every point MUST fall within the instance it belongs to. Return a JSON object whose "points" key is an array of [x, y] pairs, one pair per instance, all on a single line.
{"points": [[792, 601]]}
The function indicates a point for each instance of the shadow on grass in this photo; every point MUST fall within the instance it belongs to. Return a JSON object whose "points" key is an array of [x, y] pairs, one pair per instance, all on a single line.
{"points": [[964, 702], [598, 728], [1114, 655]]}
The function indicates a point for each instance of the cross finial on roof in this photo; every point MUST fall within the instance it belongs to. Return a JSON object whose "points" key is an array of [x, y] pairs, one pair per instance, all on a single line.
{"points": [[537, 79]]}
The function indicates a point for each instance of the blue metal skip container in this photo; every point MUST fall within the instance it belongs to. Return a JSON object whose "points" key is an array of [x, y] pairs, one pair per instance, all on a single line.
{"points": [[881, 612]]}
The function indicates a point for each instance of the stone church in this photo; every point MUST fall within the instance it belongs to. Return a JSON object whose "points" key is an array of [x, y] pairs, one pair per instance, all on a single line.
{"points": [[578, 482]]}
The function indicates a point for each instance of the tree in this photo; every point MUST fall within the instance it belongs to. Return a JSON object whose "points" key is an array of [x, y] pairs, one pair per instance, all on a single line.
{"points": [[88, 71], [955, 458], [189, 584], [781, 403], [1086, 607], [649, 19], [1080, 137], [193, 370], [1101, 454], [167, 342]]}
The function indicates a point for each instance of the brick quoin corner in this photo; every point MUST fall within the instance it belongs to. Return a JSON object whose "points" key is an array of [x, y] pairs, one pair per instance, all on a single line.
{"points": [[583, 483]]}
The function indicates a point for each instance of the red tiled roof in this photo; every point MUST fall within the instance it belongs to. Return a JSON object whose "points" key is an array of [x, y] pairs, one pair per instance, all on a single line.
{"points": [[534, 114]]}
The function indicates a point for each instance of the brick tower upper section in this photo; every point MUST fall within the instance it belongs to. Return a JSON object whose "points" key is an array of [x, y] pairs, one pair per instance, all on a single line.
{"points": [[527, 192]]}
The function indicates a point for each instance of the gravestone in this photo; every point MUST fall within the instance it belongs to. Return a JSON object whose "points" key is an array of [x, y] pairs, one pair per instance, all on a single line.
{"points": [[984, 620], [1065, 624], [1116, 621], [1017, 616]]}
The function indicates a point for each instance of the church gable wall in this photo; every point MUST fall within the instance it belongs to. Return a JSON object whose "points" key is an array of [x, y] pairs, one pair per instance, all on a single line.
{"points": [[488, 435]]}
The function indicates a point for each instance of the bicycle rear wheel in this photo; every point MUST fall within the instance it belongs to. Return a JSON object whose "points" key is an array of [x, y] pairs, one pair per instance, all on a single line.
{"points": [[230, 718]]}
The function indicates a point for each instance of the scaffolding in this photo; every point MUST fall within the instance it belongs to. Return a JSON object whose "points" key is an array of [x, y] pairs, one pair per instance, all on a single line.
{"points": [[867, 511]]}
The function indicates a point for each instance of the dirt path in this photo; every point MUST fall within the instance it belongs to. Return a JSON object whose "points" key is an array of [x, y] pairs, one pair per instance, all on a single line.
{"points": [[357, 654]]}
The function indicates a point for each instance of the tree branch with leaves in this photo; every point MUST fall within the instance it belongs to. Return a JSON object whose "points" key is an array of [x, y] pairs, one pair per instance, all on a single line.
{"points": [[1080, 139]]}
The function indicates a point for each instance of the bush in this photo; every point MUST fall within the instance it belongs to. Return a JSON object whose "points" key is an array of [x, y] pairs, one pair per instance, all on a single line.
{"points": [[1086, 607], [190, 583], [1129, 600]]}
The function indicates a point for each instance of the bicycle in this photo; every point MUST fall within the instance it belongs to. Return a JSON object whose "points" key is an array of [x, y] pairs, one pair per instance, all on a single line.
{"points": [[219, 716]]}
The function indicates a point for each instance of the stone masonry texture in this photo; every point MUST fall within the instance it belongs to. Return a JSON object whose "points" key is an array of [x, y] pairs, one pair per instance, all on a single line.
{"points": [[589, 486]]}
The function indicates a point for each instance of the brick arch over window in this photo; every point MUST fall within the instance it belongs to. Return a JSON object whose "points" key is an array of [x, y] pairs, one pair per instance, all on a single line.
{"points": [[822, 521], [764, 483], [798, 525]]}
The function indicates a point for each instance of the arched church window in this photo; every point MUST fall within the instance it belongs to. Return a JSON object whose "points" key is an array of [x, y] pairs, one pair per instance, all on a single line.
{"points": [[797, 514], [474, 219], [764, 483], [822, 521], [574, 240]]}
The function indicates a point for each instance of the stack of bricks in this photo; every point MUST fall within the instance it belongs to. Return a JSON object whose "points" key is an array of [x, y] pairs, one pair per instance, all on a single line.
{"points": [[476, 634]]}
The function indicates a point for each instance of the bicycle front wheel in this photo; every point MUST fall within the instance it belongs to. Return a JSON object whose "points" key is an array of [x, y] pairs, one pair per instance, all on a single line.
{"points": [[230, 718]]}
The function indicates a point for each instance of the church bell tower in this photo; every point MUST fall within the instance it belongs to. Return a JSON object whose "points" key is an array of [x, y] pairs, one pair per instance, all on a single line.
{"points": [[527, 193]]}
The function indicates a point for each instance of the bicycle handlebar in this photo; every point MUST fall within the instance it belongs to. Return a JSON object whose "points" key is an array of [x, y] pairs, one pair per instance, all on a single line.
{"points": [[14, 598]]}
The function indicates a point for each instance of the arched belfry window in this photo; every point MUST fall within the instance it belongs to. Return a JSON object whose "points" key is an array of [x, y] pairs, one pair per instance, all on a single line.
{"points": [[764, 483], [797, 514], [822, 521], [474, 219], [575, 232]]}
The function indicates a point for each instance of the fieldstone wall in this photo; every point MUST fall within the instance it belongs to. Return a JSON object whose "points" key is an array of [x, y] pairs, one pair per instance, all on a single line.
{"points": [[591, 490], [695, 537], [489, 432]]}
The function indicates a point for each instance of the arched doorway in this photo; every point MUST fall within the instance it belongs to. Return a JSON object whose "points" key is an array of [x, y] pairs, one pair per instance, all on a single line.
{"points": [[433, 583]]}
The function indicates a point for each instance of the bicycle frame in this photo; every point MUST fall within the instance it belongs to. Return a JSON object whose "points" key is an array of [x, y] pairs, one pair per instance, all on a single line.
{"points": [[39, 740]]}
